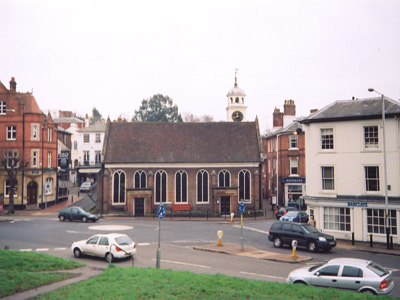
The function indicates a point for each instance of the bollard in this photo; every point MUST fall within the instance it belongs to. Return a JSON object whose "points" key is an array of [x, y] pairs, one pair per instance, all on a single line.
{"points": [[352, 238], [371, 244], [232, 214], [391, 242], [294, 246], [219, 234], [72, 198]]}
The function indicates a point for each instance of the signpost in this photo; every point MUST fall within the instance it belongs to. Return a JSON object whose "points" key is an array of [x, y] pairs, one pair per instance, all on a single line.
{"points": [[242, 209], [161, 214]]}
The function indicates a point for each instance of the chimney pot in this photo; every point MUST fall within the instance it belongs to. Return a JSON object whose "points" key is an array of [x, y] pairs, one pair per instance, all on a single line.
{"points": [[13, 84]]}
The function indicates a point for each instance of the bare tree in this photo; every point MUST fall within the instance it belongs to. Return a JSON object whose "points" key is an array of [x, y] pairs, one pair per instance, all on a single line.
{"points": [[11, 163], [189, 117]]}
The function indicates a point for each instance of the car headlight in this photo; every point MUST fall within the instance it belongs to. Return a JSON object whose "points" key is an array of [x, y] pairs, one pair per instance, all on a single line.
{"points": [[322, 239]]}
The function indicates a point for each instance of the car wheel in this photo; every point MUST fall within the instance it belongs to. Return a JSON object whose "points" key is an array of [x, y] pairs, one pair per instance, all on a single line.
{"points": [[77, 253], [109, 257], [312, 246], [62, 218], [84, 219], [300, 282], [368, 291], [277, 242], [326, 250]]}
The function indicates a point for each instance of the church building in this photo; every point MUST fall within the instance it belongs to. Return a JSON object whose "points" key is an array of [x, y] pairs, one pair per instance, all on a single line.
{"points": [[205, 168]]}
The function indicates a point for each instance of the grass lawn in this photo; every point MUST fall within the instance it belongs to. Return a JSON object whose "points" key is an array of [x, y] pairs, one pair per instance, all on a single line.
{"points": [[149, 283], [19, 271]]}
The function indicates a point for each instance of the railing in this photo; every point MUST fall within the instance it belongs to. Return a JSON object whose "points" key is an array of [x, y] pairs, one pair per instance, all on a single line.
{"points": [[210, 215]]}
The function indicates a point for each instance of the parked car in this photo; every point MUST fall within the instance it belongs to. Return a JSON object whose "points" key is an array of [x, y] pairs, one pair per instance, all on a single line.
{"points": [[283, 233], [363, 276], [76, 213], [295, 216], [283, 210], [87, 186], [110, 246]]}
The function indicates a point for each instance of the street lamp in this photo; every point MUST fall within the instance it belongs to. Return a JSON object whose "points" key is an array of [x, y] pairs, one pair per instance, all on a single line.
{"points": [[384, 166]]}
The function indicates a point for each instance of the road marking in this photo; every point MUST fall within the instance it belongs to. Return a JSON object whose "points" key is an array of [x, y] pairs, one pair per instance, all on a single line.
{"points": [[25, 249], [262, 275], [60, 249], [110, 227], [70, 231], [185, 264], [253, 229], [143, 244], [42, 249]]}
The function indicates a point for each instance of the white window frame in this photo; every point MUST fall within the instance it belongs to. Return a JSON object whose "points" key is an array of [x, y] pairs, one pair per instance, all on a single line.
{"points": [[324, 133], [11, 154], [7, 187], [182, 200], [11, 134], [225, 173], [368, 146], [202, 171], [294, 164], [86, 138], [48, 159], [35, 158], [119, 189], [3, 107], [98, 138], [293, 139], [35, 132], [366, 179], [323, 179], [337, 218], [49, 134]]}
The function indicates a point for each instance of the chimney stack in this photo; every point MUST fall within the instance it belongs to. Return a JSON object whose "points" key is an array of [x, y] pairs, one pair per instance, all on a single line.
{"points": [[13, 84], [289, 108], [277, 118]]}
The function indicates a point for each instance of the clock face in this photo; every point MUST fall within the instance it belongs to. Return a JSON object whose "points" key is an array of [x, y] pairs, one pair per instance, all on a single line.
{"points": [[237, 116]]}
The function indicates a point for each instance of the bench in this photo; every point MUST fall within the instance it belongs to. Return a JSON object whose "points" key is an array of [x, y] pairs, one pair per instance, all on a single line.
{"points": [[181, 207]]}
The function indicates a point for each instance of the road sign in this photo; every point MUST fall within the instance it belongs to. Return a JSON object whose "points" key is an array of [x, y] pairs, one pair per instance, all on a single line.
{"points": [[161, 212], [242, 208]]}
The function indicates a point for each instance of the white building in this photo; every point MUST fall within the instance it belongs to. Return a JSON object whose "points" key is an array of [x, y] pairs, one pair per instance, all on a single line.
{"points": [[345, 168], [89, 144]]}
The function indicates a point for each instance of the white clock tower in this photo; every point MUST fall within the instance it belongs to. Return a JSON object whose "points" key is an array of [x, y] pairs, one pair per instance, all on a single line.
{"points": [[236, 110]]}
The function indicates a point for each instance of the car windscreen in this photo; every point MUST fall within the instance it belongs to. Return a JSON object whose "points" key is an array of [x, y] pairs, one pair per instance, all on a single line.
{"points": [[310, 229], [377, 269], [123, 240]]}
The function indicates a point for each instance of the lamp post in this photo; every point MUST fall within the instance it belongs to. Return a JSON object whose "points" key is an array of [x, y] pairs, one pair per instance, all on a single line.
{"points": [[384, 167]]}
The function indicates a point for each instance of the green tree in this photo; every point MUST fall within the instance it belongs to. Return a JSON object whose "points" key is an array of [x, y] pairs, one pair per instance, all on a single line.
{"points": [[96, 116], [158, 108]]}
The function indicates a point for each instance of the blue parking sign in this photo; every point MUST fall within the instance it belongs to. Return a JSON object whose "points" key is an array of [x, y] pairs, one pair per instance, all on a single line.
{"points": [[161, 212], [242, 208]]}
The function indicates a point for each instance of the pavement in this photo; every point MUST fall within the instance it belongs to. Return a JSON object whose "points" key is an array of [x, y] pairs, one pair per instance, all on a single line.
{"points": [[87, 272]]}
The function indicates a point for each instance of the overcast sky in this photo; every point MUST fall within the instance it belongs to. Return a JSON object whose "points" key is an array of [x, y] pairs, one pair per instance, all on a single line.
{"points": [[76, 55]]}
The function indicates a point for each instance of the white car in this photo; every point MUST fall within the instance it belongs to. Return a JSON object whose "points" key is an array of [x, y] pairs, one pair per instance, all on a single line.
{"points": [[360, 275], [109, 246]]}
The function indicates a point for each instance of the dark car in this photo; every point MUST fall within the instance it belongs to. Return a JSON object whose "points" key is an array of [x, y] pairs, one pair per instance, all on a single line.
{"points": [[74, 213], [295, 216], [283, 210], [283, 233]]}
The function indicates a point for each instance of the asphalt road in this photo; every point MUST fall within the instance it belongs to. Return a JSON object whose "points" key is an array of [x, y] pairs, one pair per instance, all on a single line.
{"points": [[48, 235]]}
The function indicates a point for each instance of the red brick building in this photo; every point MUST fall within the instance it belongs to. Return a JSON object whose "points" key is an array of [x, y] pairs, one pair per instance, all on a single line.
{"points": [[202, 167], [32, 137], [284, 158]]}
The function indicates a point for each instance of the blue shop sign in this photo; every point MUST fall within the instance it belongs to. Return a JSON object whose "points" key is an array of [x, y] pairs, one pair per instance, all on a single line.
{"points": [[293, 180], [357, 204]]}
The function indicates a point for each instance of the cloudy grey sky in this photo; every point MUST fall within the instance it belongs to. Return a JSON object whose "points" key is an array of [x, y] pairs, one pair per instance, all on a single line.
{"points": [[76, 55]]}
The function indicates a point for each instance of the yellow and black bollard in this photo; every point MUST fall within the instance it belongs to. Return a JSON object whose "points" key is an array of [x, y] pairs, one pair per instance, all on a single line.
{"points": [[219, 234]]}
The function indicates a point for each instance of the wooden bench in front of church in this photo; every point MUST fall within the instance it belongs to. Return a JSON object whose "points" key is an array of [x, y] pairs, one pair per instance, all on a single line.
{"points": [[181, 207]]}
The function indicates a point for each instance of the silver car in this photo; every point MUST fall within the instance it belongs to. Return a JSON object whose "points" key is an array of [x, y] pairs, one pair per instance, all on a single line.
{"points": [[363, 276]]}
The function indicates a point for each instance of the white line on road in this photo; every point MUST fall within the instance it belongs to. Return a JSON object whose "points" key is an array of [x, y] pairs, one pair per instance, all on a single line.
{"points": [[25, 249], [143, 244], [253, 229], [42, 249], [60, 249], [261, 275], [185, 264]]}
